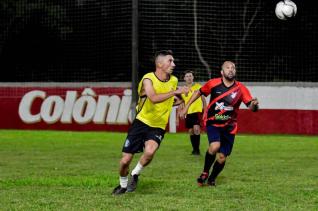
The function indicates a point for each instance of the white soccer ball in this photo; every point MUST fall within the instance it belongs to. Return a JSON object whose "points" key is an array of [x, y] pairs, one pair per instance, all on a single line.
{"points": [[285, 9]]}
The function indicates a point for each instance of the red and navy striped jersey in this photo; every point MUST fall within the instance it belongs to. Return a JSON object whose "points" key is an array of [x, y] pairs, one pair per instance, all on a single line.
{"points": [[224, 103]]}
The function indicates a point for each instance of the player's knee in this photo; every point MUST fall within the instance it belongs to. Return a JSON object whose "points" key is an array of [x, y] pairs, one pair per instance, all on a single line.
{"points": [[196, 131], [212, 150], [214, 147], [150, 148], [221, 158], [125, 161], [149, 153]]}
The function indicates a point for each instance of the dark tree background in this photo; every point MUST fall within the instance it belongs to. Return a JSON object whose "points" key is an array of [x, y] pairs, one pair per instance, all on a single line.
{"points": [[90, 40]]}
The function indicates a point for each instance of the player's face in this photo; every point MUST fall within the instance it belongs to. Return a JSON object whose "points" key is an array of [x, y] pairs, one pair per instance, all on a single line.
{"points": [[168, 64], [188, 78], [228, 71]]}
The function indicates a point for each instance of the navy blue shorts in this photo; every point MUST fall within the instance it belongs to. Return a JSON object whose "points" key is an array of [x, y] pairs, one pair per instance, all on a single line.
{"points": [[220, 134], [138, 134]]}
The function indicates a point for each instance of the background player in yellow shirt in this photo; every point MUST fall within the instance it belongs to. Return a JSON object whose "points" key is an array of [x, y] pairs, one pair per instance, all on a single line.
{"points": [[194, 115], [157, 94]]}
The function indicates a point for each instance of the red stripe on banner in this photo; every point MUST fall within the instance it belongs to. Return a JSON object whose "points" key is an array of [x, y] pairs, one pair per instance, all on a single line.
{"points": [[269, 121]]}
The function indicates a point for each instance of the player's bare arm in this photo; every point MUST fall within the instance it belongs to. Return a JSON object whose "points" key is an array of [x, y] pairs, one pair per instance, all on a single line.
{"points": [[157, 98], [204, 103], [195, 96], [178, 100]]}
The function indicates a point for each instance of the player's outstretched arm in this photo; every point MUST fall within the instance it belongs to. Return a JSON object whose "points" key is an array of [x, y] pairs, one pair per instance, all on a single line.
{"points": [[195, 96], [204, 103], [158, 98], [178, 100]]}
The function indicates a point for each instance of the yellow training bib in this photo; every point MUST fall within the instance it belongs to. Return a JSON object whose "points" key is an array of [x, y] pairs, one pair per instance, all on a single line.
{"points": [[156, 114]]}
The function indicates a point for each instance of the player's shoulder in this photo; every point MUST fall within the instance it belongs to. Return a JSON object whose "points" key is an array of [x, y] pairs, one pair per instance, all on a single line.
{"points": [[196, 86], [240, 84], [149, 75], [152, 76], [173, 78], [214, 81]]}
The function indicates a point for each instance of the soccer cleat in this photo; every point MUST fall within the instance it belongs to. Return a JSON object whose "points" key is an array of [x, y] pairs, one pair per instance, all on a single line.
{"points": [[202, 178], [211, 182], [119, 190], [132, 184], [195, 152]]}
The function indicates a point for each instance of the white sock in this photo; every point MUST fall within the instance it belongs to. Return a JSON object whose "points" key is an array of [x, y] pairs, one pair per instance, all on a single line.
{"points": [[123, 181], [137, 169]]}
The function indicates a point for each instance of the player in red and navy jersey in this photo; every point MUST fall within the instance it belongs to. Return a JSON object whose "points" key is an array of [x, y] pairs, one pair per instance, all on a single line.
{"points": [[220, 118]]}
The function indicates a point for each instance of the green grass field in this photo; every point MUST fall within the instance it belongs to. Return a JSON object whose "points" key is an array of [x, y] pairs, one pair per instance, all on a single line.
{"points": [[43, 170]]}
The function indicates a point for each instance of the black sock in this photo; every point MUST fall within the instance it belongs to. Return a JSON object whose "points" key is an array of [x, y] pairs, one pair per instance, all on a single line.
{"points": [[217, 168], [192, 138], [196, 139], [209, 159]]}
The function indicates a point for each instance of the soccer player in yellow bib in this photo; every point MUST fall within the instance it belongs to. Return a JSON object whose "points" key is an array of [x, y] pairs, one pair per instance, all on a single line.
{"points": [[158, 92], [194, 115]]}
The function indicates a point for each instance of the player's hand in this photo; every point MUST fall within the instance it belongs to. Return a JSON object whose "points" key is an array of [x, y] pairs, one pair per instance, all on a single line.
{"points": [[182, 90], [183, 113], [254, 104], [254, 101], [181, 107]]}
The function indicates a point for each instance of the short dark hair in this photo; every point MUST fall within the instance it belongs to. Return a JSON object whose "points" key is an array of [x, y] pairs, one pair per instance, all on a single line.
{"points": [[163, 53], [188, 71]]}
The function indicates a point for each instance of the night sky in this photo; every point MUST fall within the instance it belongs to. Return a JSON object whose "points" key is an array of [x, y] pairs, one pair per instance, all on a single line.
{"points": [[87, 41]]}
